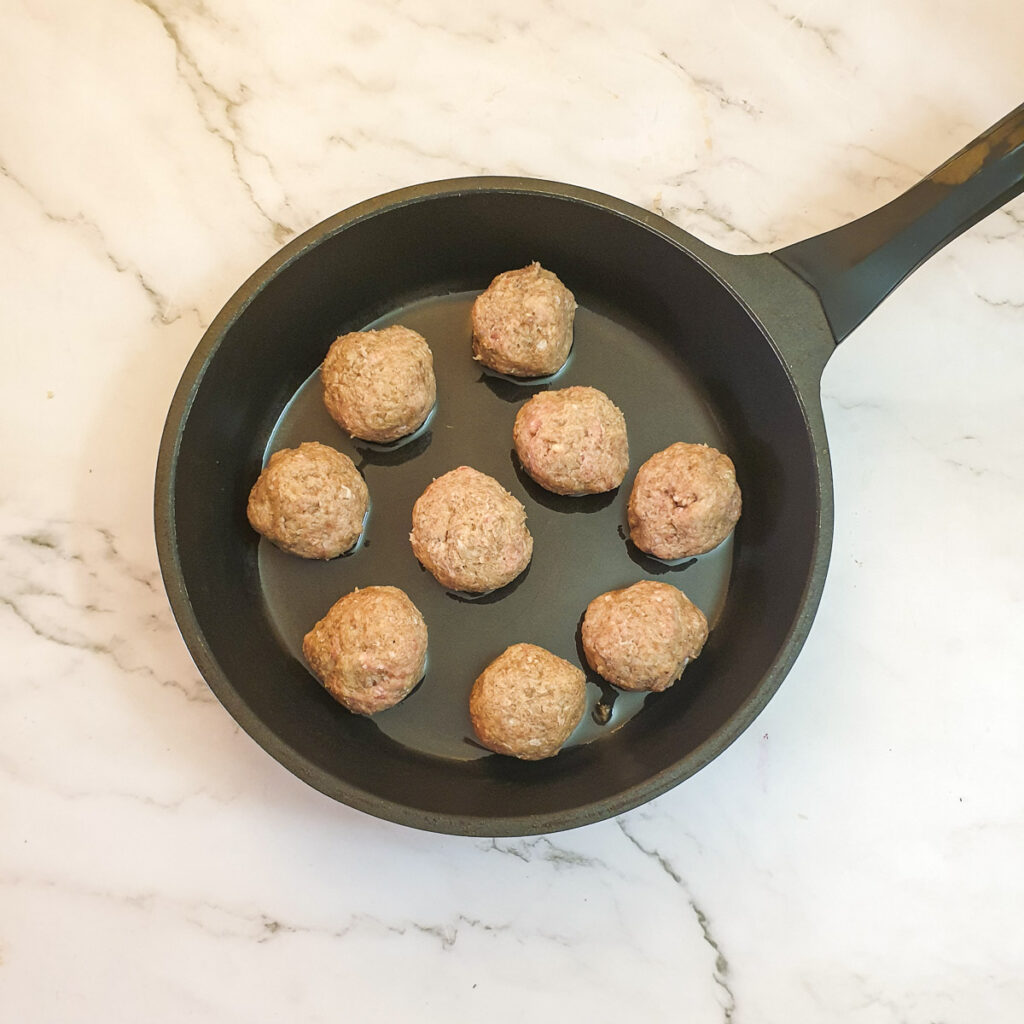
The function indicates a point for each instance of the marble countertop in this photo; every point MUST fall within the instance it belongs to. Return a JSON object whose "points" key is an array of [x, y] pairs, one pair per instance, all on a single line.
{"points": [[854, 857]]}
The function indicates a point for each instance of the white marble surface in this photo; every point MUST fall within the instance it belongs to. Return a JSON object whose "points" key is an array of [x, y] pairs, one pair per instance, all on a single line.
{"points": [[855, 857]]}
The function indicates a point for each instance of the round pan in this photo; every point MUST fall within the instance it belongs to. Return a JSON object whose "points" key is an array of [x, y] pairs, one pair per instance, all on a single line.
{"points": [[693, 344]]}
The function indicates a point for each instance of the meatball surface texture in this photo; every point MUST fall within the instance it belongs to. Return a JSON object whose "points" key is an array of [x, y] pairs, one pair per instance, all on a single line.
{"points": [[469, 532], [369, 650], [522, 323], [309, 501], [379, 385], [643, 636], [527, 702], [685, 501], [572, 441]]}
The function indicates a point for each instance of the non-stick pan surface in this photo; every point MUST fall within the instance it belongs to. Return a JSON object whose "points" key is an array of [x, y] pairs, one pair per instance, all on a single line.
{"points": [[667, 328], [581, 548]]}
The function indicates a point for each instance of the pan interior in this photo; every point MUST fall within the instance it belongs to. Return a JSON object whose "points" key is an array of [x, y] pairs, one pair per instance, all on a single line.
{"points": [[666, 339], [580, 544]]}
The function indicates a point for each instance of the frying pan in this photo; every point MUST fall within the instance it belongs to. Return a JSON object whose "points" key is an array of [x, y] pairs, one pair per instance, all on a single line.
{"points": [[692, 343]]}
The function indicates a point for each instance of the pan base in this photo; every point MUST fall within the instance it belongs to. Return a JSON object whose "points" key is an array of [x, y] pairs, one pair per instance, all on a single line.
{"points": [[581, 547]]}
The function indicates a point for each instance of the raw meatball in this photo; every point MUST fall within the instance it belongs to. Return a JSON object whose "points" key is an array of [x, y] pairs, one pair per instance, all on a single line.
{"points": [[470, 532], [369, 649], [527, 702], [642, 637], [309, 501], [522, 324], [572, 441], [379, 385], [685, 501]]}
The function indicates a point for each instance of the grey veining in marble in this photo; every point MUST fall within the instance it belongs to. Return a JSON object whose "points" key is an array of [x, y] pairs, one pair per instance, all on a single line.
{"points": [[853, 858]]}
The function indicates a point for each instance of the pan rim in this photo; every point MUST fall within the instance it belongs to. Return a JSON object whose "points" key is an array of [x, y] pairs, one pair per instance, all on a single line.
{"points": [[609, 805]]}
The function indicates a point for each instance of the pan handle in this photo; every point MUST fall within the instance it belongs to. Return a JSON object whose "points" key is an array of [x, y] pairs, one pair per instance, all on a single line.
{"points": [[854, 267]]}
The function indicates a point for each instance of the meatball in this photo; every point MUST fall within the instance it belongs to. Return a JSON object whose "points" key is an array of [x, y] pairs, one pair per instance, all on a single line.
{"points": [[522, 324], [379, 385], [527, 702], [470, 532], [685, 501], [309, 501], [572, 441], [642, 637], [369, 650]]}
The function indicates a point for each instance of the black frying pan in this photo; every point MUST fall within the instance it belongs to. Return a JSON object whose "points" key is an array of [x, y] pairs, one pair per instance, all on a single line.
{"points": [[693, 344]]}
